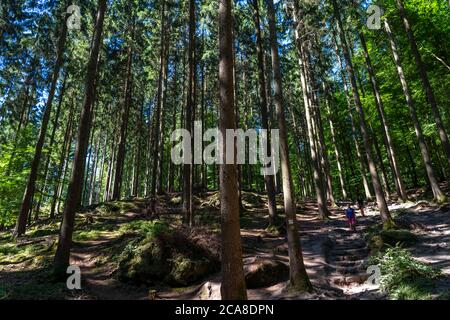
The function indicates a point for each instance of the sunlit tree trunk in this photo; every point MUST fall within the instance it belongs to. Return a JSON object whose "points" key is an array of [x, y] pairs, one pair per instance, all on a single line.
{"points": [[268, 178], [362, 163], [125, 111], [437, 193], [233, 283], [298, 278], [391, 152], [188, 167], [73, 199], [425, 82], [31, 184], [381, 201]]}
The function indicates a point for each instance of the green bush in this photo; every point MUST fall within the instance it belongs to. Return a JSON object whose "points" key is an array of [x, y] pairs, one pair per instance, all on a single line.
{"points": [[402, 276]]}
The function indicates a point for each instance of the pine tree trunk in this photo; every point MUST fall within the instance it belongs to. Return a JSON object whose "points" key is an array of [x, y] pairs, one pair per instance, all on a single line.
{"points": [[50, 147], [127, 96], [337, 153], [137, 166], [161, 129], [268, 178], [298, 279], [233, 283], [73, 199], [437, 193], [188, 167], [398, 181], [384, 179], [362, 163], [425, 82], [31, 184], [307, 101], [381, 201], [62, 159], [102, 170]]}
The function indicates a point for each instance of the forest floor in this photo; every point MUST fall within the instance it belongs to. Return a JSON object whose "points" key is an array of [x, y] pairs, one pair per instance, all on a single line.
{"points": [[336, 258]]}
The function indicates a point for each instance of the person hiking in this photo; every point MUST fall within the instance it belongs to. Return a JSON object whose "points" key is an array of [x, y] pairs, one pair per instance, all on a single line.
{"points": [[361, 206], [351, 217]]}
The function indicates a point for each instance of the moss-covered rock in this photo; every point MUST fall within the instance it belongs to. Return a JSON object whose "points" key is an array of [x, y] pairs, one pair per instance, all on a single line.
{"points": [[261, 272], [278, 229], [145, 262], [186, 270], [165, 256], [401, 236]]}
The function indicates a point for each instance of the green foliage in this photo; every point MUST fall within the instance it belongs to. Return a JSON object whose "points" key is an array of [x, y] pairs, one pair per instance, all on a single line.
{"points": [[149, 229], [13, 176], [402, 276]]}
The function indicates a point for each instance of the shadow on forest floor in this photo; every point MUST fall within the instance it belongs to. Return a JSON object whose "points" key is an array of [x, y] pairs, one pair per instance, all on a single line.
{"points": [[335, 258]]}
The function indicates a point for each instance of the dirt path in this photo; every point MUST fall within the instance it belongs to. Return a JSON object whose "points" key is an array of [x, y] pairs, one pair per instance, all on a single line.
{"points": [[336, 258]]}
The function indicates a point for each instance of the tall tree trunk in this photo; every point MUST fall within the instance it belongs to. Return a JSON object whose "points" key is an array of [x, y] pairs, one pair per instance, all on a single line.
{"points": [[337, 153], [62, 159], [188, 167], [102, 171], [62, 255], [172, 168], [91, 188], [157, 111], [203, 175], [127, 101], [425, 82], [31, 184], [50, 146], [161, 129], [398, 181], [233, 283], [384, 179], [137, 166], [437, 193], [381, 201], [362, 163], [320, 139], [307, 101], [268, 178], [298, 279]]}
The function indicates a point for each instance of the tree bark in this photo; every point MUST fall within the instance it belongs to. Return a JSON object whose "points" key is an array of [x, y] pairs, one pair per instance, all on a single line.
{"points": [[73, 199], [268, 179], [398, 181], [50, 146], [31, 184], [308, 105], [362, 163], [188, 167], [381, 201], [62, 159], [233, 283], [437, 192], [127, 101], [298, 278], [425, 82]]}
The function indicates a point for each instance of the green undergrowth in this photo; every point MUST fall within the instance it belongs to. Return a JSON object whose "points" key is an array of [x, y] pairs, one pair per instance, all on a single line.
{"points": [[34, 254], [116, 207], [404, 277]]}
